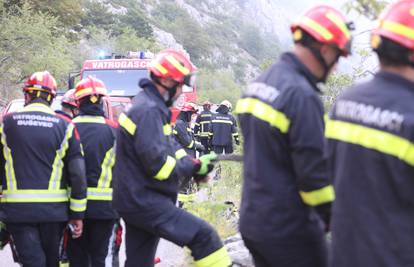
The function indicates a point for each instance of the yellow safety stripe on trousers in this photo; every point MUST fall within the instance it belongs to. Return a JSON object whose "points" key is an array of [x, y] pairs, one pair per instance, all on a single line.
{"points": [[38, 107], [326, 34], [339, 23], [9, 166], [397, 28], [264, 112], [105, 178], [89, 119], [320, 196], [370, 138], [222, 121], [166, 169], [99, 193], [219, 258], [57, 167], [127, 124], [77, 205], [191, 144], [186, 197], [180, 153], [167, 129], [34, 195]]}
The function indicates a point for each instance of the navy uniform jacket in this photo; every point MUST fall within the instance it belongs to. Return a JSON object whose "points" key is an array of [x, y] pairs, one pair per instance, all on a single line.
{"points": [[371, 146], [222, 130], [149, 160], [285, 173], [185, 137], [36, 146], [202, 124], [98, 141]]}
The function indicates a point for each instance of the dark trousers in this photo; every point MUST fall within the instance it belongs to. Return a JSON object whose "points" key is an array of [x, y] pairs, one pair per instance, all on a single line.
{"points": [[178, 226], [268, 254], [204, 141], [223, 149], [93, 247], [37, 243]]}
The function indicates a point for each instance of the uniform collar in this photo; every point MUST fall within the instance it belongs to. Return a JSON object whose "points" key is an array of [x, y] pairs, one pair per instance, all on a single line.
{"points": [[292, 60], [152, 92], [395, 79]]}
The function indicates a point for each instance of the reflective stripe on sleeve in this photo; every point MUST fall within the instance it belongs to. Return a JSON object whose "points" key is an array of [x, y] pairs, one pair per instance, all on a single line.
{"points": [[264, 112], [167, 129], [370, 138], [179, 154], [320, 196], [191, 144], [127, 124], [77, 205], [99, 193], [219, 258], [166, 169]]}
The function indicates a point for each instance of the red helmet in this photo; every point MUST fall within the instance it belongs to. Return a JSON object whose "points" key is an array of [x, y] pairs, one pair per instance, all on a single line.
{"points": [[189, 107], [69, 98], [326, 25], [41, 81], [90, 86], [174, 65], [397, 24]]}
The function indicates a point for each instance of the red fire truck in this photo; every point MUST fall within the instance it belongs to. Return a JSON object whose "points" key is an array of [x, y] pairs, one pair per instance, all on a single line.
{"points": [[121, 76]]}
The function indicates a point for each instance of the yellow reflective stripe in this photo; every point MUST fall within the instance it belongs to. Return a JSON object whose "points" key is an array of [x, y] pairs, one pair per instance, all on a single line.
{"points": [[89, 90], [175, 132], [57, 167], [167, 129], [38, 107], [127, 124], [166, 169], [397, 28], [222, 121], [189, 129], [179, 154], [191, 144], [178, 65], [34, 195], [9, 166], [370, 138], [235, 134], [63, 264], [263, 112], [205, 115], [339, 23], [204, 122], [186, 197], [160, 67], [204, 134], [77, 205], [320, 196], [89, 119], [219, 258], [197, 124], [105, 178], [327, 35], [99, 193]]}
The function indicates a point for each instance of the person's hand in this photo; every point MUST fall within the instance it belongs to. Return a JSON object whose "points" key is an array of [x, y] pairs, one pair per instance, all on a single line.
{"points": [[76, 228]]}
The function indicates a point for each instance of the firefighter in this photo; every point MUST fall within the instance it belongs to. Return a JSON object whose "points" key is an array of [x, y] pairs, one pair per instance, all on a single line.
{"points": [[42, 158], [369, 146], [69, 105], [185, 137], [286, 182], [98, 141], [148, 168], [202, 125], [222, 130]]}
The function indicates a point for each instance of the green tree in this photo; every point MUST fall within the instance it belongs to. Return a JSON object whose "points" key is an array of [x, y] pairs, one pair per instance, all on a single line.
{"points": [[369, 8]]}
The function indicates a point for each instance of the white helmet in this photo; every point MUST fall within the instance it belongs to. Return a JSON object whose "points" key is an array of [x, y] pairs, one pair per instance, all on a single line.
{"points": [[227, 104]]}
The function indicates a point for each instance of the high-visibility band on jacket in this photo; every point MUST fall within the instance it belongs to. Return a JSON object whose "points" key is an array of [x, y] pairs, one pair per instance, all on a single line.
{"points": [[185, 197], [10, 174], [166, 169], [264, 112], [99, 193], [34, 195], [320, 196], [37, 107], [77, 205], [89, 119], [235, 134], [191, 144], [222, 121], [179, 154], [370, 138], [205, 115], [204, 134], [167, 129], [205, 122], [219, 258], [127, 124], [105, 178]]}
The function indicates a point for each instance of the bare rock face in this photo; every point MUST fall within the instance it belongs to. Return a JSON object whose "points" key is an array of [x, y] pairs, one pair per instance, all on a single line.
{"points": [[239, 254]]}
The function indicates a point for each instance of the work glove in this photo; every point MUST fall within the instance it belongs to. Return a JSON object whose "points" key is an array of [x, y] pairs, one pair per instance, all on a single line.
{"points": [[324, 212], [206, 165], [199, 147]]}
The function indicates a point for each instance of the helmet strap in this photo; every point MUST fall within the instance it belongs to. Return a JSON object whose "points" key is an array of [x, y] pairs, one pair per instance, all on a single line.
{"points": [[326, 67], [171, 91]]}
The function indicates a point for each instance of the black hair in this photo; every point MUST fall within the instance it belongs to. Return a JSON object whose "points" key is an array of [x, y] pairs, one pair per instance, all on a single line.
{"points": [[36, 94], [391, 53]]}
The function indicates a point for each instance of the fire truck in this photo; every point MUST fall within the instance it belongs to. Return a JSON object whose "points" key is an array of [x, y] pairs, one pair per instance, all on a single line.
{"points": [[121, 75]]}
